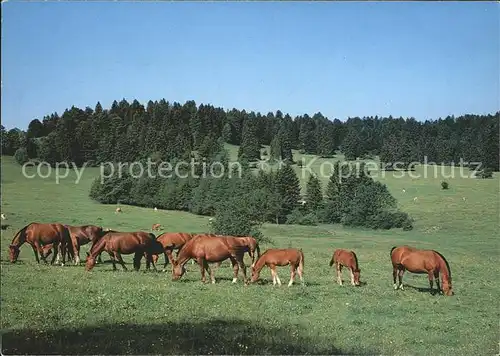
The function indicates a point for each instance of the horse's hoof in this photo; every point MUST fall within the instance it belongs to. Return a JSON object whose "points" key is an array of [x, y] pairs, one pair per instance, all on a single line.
{"points": [[395, 287]]}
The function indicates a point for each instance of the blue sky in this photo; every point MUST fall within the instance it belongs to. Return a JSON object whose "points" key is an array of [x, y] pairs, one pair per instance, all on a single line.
{"points": [[420, 59]]}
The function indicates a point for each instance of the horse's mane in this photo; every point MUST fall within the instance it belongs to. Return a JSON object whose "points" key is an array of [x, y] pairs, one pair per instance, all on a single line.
{"points": [[445, 261], [20, 232]]}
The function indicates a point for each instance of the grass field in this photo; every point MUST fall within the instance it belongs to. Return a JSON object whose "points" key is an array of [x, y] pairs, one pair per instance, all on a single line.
{"points": [[65, 310]]}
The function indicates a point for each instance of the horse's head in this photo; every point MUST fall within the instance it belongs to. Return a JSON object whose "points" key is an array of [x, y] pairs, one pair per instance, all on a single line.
{"points": [[255, 274], [90, 262], [356, 274], [178, 270], [13, 253], [447, 289]]}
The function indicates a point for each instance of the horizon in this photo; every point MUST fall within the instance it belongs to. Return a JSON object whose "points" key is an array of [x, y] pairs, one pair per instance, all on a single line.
{"points": [[405, 60]]}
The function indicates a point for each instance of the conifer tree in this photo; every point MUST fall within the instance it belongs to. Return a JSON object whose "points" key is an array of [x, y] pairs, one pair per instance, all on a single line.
{"points": [[288, 187], [314, 194]]}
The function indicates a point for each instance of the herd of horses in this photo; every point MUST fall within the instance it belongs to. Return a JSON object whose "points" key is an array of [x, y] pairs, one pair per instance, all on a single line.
{"points": [[206, 249]]}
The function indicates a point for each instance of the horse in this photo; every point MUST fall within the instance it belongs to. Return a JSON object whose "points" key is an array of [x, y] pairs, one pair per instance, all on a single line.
{"points": [[80, 235], [347, 259], [210, 248], [118, 243], [250, 245], [156, 227], [421, 261], [280, 257], [39, 235], [171, 241]]}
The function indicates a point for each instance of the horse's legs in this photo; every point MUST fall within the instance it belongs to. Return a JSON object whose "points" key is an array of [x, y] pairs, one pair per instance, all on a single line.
{"points": [[273, 274], [394, 275], [436, 277], [201, 263], [241, 263], [113, 260], [338, 269], [76, 251], [35, 251], [149, 261], [236, 268], [352, 276], [299, 270], [210, 271], [292, 275], [56, 247], [137, 260], [168, 258], [273, 267], [119, 259], [400, 275], [431, 277]]}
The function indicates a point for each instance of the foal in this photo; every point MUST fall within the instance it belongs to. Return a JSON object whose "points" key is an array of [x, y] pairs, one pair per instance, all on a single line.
{"points": [[280, 257], [347, 259]]}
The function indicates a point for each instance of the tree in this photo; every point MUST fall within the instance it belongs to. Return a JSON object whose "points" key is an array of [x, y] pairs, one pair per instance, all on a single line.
{"points": [[314, 195], [288, 187], [250, 146]]}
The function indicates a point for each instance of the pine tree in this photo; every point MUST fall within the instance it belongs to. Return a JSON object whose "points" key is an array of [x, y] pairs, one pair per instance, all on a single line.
{"points": [[250, 147], [275, 149], [314, 194], [288, 187]]}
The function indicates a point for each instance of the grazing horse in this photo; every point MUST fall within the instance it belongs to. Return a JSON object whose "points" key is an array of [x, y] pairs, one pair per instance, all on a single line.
{"points": [[250, 245], [171, 241], [280, 257], [210, 248], [347, 259], [421, 261], [80, 235], [118, 243], [39, 235]]}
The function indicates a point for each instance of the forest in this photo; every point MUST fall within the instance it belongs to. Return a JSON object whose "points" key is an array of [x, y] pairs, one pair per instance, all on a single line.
{"points": [[164, 131]]}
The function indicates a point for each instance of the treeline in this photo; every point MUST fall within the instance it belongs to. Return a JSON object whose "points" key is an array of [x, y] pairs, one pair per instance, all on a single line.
{"points": [[128, 132], [241, 200]]}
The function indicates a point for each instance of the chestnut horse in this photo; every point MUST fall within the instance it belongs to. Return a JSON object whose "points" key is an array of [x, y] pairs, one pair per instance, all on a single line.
{"points": [[280, 257], [419, 261], [250, 245], [347, 259], [171, 241], [118, 243], [210, 248], [39, 235], [80, 235]]}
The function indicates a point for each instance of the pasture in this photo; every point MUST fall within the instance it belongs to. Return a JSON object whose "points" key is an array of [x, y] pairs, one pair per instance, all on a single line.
{"points": [[65, 310]]}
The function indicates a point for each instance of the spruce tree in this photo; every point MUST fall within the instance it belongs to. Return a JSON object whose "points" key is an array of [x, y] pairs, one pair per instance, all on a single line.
{"points": [[250, 146], [314, 194], [287, 185]]}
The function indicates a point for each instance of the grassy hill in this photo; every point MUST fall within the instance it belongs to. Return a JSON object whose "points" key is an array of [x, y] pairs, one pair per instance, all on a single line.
{"points": [[53, 309]]}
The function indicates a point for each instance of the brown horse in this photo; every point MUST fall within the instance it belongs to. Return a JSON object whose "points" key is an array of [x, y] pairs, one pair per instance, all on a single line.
{"points": [[347, 259], [171, 241], [280, 257], [419, 261], [210, 248], [39, 235], [250, 245], [80, 235], [118, 243]]}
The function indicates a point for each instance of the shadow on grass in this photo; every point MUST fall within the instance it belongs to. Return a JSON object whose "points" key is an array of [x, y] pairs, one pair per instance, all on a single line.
{"points": [[213, 337], [434, 291]]}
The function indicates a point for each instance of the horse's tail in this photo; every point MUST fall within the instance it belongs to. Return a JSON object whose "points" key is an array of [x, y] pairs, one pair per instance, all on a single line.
{"points": [[301, 261], [392, 249], [257, 248], [21, 233], [332, 261]]}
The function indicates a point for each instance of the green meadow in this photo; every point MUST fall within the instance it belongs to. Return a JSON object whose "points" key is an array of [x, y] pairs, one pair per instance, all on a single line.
{"points": [[66, 310]]}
